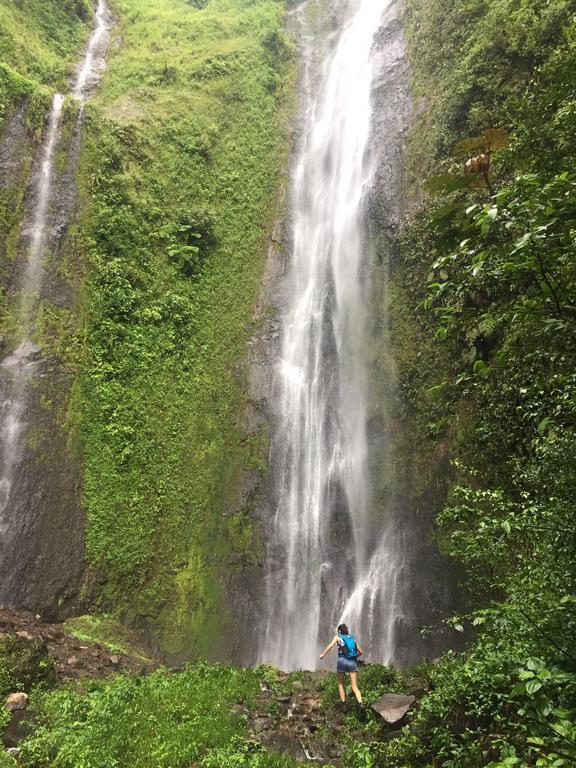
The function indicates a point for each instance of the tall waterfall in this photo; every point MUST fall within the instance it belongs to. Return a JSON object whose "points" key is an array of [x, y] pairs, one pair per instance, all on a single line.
{"points": [[23, 364], [325, 561]]}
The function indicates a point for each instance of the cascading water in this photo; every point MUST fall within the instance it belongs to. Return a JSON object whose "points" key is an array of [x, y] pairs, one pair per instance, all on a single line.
{"points": [[324, 561], [23, 364]]}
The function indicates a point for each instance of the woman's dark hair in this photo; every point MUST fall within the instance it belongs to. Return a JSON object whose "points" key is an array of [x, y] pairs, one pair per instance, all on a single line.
{"points": [[343, 629]]}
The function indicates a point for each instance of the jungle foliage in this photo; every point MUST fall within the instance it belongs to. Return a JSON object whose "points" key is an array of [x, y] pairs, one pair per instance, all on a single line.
{"points": [[493, 283], [162, 721]]}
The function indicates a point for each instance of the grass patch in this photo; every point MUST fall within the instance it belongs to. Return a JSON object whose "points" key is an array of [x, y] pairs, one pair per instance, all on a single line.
{"points": [[160, 721], [40, 39]]}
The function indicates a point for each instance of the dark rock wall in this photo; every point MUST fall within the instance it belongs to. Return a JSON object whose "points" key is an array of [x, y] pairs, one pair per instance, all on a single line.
{"points": [[41, 550], [409, 487]]}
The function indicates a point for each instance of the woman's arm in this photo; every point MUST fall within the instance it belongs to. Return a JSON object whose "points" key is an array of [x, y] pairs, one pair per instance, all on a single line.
{"points": [[360, 651], [329, 646]]}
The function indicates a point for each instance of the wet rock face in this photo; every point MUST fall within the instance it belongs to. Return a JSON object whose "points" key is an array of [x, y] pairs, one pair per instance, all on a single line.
{"points": [[41, 520], [41, 541], [392, 119], [13, 139], [41, 548], [426, 583]]}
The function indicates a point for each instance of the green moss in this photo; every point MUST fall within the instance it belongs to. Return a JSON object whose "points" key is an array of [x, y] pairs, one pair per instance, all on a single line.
{"points": [[40, 39], [24, 664], [184, 147], [106, 631]]}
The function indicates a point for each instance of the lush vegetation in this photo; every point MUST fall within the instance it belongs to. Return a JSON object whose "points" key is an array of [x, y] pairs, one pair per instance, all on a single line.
{"points": [[163, 720], [487, 264], [202, 716], [184, 149], [181, 164], [39, 44]]}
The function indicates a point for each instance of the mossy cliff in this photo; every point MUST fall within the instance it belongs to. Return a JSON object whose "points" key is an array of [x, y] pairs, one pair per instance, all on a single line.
{"points": [[40, 44], [184, 149], [182, 157]]}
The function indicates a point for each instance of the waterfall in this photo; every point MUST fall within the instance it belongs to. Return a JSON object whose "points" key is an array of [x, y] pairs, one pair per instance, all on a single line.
{"points": [[323, 565], [23, 364]]}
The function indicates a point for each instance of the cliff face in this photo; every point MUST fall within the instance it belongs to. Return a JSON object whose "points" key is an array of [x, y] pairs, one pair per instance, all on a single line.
{"points": [[42, 523], [131, 473], [143, 481], [410, 477]]}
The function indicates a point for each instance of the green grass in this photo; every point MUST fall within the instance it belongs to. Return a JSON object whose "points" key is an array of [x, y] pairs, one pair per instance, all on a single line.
{"points": [[40, 42], [161, 721], [184, 150]]}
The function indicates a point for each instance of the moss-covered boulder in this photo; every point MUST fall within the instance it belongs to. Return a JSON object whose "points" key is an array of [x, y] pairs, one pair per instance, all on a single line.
{"points": [[24, 664]]}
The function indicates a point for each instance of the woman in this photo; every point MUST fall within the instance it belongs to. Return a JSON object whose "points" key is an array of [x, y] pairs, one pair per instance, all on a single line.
{"points": [[348, 652]]}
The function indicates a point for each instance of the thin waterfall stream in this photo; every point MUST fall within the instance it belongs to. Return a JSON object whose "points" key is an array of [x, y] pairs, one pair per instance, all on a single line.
{"points": [[19, 368], [334, 564]]}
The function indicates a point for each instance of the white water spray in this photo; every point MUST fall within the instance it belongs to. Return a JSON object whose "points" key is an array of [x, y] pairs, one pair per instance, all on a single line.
{"points": [[330, 568], [17, 368]]}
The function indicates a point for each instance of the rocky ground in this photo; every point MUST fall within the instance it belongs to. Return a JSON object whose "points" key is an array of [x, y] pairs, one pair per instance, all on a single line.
{"points": [[297, 714], [72, 658], [301, 717]]}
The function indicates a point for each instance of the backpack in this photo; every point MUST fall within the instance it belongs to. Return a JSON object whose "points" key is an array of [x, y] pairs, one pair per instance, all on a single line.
{"points": [[349, 647]]}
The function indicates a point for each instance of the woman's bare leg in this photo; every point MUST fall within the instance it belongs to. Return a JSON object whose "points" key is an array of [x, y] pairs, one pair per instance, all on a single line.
{"points": [[341, 689], [355, 689]]}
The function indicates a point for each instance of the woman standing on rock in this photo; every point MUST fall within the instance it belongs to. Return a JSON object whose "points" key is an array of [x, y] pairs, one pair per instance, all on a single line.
{"points": [[348, 652]]}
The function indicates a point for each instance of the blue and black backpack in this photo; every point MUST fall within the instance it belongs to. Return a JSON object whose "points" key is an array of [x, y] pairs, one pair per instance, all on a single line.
{"points": [[349, 647]]}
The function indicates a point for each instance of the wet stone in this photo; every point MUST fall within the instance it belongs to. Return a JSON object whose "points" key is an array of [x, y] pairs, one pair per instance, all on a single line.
{"points": [[392, 707], [260, 723]]}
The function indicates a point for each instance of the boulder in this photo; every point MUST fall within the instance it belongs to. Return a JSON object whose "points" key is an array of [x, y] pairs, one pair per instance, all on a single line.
{"points": [[24, 663], [16, 701], [19, 727], [392, 706]]}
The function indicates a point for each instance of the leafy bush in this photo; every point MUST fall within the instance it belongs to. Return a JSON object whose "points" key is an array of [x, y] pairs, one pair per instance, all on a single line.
{"points": [[492, 281]]}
